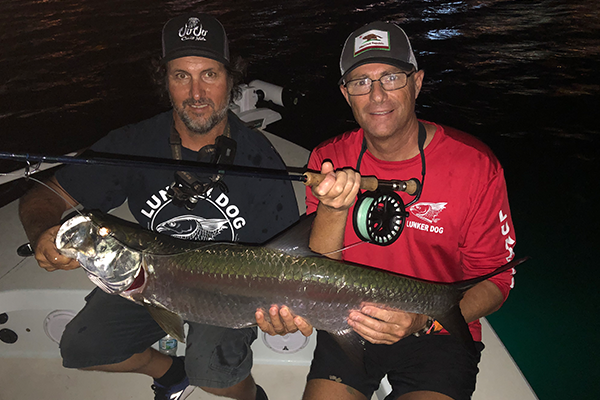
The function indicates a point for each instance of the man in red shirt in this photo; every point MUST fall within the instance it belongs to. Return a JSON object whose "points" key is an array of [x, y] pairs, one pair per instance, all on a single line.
{"points": [[459, 226]]}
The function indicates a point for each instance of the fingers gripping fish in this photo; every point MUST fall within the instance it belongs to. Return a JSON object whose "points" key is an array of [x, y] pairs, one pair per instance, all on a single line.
{"points": [[224, 284]]}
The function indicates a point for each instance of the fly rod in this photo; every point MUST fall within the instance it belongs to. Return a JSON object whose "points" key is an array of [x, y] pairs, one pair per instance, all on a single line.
{"points": [[308, 178]]}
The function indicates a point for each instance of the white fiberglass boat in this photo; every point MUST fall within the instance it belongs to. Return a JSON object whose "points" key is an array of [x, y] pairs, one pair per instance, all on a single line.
{"points": [[36, 305]]}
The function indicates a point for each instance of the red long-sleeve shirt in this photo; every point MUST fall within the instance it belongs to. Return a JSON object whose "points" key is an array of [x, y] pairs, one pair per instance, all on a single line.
{"points": [[461, 226]]}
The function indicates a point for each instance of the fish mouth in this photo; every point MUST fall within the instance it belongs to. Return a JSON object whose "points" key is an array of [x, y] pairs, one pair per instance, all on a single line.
{"points": [[110, 264], [72, 234]]}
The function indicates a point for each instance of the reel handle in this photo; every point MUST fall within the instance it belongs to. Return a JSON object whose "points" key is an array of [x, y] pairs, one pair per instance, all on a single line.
{"points": [[370, 183]]}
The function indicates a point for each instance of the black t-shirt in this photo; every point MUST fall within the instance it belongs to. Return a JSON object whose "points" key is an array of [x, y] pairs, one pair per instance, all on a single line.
{"points": [[252, 211]]}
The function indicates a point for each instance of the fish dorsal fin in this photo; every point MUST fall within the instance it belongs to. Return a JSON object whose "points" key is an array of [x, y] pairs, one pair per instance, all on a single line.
{"points": [[294, 240], [170, 322]]}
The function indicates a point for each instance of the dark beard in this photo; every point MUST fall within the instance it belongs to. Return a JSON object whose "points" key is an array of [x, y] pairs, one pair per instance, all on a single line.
{"points": [[204, 126]]}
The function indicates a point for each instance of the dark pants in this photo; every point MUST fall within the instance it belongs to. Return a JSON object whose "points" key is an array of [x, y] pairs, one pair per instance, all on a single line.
{"points": [[111, 329], [436, 363]]}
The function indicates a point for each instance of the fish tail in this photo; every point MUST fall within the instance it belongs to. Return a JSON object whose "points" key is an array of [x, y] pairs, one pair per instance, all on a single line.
{"points": [[453, 320], [465, 285]]}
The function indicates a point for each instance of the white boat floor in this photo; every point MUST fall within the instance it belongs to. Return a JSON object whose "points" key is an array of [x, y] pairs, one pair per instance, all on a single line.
{"points": [[46, 379]]}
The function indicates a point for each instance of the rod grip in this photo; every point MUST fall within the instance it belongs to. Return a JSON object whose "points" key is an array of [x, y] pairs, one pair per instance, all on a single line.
{"points": [[411, 187], [366, 182]]}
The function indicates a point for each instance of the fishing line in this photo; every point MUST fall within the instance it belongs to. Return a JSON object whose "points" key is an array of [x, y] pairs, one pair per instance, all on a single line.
{"points": [[345, 248], [12, 269], [27, 173], [56, 193]]}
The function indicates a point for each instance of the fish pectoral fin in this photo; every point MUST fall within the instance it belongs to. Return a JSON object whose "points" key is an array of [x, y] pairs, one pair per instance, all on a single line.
{"points": [[352, 344], [169, 321], [454, 322]]}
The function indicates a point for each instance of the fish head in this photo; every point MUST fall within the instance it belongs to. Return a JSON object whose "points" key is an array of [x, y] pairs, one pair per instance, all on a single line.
{"points": [[109, 262]]}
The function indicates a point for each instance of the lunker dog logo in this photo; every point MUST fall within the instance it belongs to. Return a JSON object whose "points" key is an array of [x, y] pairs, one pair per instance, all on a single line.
{"points": [[427, 211], [192, 227], [217, 217]]}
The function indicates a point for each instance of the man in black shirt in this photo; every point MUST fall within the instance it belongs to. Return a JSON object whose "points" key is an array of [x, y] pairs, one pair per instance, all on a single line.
{"points": [[112, 333]]}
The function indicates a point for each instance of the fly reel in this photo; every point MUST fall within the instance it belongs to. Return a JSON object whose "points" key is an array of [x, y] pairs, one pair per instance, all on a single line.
{"points": [[379, 217]]}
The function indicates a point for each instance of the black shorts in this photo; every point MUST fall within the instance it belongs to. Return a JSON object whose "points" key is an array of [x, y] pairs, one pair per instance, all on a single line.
{"points": [[110, 329], [435, 363]]}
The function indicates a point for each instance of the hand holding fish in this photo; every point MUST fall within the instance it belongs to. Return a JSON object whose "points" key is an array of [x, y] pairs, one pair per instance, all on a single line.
{"points": [[282, 322], [48, 256], [385, 326]]}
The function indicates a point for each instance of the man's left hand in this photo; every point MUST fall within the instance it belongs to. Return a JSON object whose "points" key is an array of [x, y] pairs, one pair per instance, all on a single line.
{"points": [[282, 322], [385, 326]]}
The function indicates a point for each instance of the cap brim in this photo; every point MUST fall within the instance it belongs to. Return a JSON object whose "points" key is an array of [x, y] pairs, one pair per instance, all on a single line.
{"points": [[193, 52], [378, 60]]}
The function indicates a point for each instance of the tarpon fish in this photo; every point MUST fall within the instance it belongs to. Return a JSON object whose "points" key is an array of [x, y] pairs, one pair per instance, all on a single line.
{"points": [[223, 284]]}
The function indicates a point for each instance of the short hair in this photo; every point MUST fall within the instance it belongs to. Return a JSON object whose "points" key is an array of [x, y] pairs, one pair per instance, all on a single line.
{"points": [[236, 73]]}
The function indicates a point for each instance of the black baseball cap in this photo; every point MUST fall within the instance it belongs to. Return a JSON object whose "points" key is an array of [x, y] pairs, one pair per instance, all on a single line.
{"points": [[377, 42], [194, 34]]}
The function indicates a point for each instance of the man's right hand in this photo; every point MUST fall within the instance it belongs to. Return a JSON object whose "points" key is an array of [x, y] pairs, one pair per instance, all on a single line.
{"points": [[48, 256], [338, 190], [336, 194]]}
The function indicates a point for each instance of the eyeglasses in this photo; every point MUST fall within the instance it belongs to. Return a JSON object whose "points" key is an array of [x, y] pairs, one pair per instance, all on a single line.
{"points": [[359, 87]]}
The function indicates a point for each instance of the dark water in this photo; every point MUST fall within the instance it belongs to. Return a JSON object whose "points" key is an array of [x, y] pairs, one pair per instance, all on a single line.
{"points": [[521, 75]]}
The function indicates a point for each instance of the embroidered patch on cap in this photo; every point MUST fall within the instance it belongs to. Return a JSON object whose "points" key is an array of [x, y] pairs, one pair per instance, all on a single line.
{"points": [[374, 39], [192, 30]]}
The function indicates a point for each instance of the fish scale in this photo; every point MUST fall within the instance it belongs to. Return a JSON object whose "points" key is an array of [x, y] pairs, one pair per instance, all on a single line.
{"points": [[236, 280]]}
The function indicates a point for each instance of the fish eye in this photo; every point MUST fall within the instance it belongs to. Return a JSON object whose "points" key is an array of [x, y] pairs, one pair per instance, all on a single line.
{"points": [[103, 231]]}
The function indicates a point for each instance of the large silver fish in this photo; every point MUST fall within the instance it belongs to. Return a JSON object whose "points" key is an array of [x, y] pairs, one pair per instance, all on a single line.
{"points": [[224, 283]]}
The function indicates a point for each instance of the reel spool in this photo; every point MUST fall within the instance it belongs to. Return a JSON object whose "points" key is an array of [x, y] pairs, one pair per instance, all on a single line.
{"points": [[379, 217]]}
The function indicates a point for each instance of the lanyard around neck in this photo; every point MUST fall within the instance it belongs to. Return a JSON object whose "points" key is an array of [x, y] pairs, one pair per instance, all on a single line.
{"points": [[422, 136]]}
